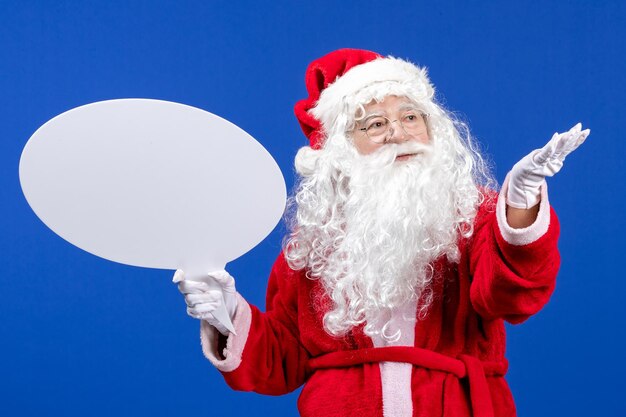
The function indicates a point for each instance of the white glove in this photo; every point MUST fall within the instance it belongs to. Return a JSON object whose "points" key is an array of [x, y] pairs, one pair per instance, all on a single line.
{"points": [[529, 173], [203, 298]]}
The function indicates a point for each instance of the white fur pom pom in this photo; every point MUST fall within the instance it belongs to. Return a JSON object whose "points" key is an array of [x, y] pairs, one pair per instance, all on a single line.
{"points": [[306, 160]]}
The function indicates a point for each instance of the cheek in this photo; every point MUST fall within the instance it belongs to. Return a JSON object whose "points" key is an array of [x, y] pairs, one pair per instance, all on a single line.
{"points": [[423, 138], [366, 147]]}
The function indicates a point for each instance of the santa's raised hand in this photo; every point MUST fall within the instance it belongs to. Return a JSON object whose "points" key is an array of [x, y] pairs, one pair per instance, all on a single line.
{"points": [[528, 174]]}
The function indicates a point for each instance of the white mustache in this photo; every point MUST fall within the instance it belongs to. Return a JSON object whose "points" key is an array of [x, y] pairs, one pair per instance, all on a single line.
{"points": [[388, 153], [408, 148]]}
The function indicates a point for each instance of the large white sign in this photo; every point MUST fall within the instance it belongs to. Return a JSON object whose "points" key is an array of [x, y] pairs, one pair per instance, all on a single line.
{"points": [[152, 183]]}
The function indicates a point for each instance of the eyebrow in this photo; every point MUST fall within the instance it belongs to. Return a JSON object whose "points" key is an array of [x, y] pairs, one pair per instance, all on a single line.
{"points": [[403, 107], [408, 106]]}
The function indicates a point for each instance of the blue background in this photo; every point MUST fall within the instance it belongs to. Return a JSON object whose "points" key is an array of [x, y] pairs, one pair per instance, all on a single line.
{"points": [[85, 336]]}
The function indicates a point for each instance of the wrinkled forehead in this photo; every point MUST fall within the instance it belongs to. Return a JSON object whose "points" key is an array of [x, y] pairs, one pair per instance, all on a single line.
{"points": [[390, 104]]}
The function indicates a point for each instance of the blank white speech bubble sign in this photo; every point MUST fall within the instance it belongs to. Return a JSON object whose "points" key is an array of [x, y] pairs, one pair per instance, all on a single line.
{"points": [[152, 183]]}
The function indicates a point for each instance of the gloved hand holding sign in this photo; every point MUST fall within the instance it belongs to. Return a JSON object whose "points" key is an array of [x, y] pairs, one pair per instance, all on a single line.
{"points": [[205, 298]]}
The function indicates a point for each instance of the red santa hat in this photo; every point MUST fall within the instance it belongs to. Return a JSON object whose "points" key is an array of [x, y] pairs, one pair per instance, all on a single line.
{"points": [[342, 80]]}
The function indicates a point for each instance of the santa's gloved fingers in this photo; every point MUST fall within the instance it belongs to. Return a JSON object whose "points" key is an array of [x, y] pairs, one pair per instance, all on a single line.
{"points": [[562, 148], [551, 167], [193, 287], [569, 138], [583, 137], [224, 280], [561, 145], [206, 307], [201, 311], [565, 139], [540, 156], [209, 297], [572, 142], [574, 132], [197, 315]]}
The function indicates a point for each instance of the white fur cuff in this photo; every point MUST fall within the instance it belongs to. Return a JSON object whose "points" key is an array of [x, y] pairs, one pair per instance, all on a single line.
{"points": [[234, 344]]}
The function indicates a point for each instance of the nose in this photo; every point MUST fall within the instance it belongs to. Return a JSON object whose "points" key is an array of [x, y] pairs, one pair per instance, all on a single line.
{"points": [[396, 132]]}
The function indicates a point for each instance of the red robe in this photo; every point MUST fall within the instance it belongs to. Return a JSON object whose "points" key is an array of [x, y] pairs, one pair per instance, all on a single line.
{"points": [[450, 363]]}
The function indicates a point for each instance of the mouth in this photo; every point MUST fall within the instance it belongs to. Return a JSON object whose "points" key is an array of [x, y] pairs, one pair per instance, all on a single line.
{"points": [[405, 157]]}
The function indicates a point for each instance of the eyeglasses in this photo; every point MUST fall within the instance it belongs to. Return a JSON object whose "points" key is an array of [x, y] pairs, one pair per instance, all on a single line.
{"points": [[378, 128]]}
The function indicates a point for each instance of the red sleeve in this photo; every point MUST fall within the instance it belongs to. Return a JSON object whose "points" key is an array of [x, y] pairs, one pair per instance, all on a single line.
{"points": [[513, 277], [273, 360]]}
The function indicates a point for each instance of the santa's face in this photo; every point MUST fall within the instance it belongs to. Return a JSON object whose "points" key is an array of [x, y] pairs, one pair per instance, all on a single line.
{"points": [[393, 120], [373, 215]]}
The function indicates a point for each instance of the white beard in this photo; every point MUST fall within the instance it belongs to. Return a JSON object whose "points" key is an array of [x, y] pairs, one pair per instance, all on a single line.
{"points": [[372, 240]]}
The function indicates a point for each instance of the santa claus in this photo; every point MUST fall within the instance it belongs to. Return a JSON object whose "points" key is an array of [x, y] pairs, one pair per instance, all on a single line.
{"points": [[402, 263]]}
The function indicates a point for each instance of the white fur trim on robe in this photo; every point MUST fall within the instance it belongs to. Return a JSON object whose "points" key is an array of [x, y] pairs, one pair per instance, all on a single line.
{"points": [[234, 344], [396, 376], [527, 235]]}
